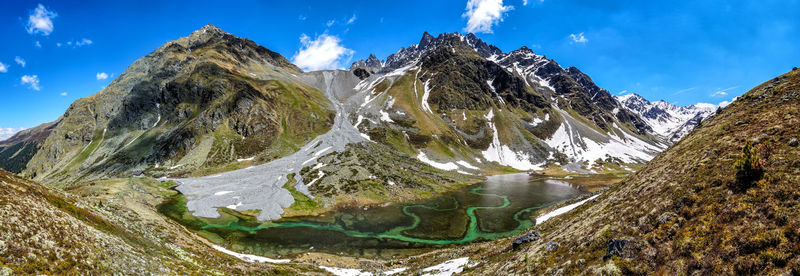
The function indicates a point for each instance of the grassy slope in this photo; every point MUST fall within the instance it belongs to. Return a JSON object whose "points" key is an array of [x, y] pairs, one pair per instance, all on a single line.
{"points": [[106, 227], [678, 211]]}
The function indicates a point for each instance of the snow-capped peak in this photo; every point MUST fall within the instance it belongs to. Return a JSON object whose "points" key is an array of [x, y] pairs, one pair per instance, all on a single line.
{"points": [[667, 120]]}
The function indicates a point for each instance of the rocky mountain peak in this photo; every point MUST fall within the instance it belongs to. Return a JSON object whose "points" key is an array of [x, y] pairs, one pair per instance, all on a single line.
{"points": [[426, 40]]}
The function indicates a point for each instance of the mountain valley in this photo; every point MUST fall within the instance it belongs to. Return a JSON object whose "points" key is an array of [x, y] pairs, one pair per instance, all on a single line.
{"points": [[215, 155]]}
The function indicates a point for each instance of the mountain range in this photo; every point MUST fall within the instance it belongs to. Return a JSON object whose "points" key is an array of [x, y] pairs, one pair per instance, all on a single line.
{"points": [[185, 108]]}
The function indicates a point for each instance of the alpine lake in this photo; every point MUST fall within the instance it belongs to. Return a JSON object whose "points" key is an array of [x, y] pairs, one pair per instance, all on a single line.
{"points": [[502, 206]]}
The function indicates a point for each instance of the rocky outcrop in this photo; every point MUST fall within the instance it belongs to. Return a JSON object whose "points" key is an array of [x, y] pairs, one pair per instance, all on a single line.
{"points": [[528, 237]]}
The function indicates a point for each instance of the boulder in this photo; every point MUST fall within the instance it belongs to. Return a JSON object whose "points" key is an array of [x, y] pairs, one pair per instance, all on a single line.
{"points": [[530, 236], [793, 142], [614, 247], [551, 246]]}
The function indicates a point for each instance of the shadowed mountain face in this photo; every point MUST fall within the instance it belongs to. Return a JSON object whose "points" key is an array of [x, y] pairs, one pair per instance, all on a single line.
{"points": [[688, 211], [15, 152], [202, 101]]}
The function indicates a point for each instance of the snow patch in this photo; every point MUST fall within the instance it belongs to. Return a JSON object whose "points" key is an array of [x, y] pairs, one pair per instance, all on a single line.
{"points": [[245, 159], [465, 164], [320, 174], [449, 166], [447, 268], [425, 96], [222, 193], [250, 258], [396, 270], [562, 210], [385, 117], [503, 154]]}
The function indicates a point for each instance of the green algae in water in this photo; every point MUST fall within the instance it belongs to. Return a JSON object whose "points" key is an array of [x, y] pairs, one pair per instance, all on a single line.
{"points": [[499, 208]]}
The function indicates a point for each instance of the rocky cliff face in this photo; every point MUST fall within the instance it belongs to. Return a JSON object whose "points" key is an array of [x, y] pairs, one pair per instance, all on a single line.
{"points": [[198, 102]]}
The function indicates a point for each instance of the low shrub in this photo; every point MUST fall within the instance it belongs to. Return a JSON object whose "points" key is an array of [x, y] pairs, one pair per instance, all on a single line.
{"points": [[749, 169]]}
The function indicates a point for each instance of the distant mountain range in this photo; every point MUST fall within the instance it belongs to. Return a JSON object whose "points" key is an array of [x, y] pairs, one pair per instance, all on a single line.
{"points": [[665, 119]]}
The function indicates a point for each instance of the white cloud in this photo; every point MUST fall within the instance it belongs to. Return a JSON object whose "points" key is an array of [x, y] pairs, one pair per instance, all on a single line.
{"points": [[351, 20], [38, 45], [683, 90], [40, 21], [723, 92], [83, 41], [482, 14], [77, 43], [19, 61], [578, 38], [324, 52], [7, 132], [3, 68], [102, 76], [301, 17], [63, 93], [330, 22], [623, 92], [31, 81]]}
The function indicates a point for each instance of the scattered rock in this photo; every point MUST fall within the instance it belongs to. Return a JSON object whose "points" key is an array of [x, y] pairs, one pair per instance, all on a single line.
{"points": [[615, 247], [665, 217], [759, 139], [532, 235], [793, 142], [738, 123], [551, 246], [5, 271]]}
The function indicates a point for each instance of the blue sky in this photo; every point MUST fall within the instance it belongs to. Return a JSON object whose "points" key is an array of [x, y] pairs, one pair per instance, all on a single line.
{"points": [[694, 51]]}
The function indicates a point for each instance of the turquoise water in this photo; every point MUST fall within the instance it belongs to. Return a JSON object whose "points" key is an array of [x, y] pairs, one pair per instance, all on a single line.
{"points": [[502, 206]]}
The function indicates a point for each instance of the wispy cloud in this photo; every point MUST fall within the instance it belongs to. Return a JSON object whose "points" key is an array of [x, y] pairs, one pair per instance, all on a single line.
{"points": [[525, 2], [3, 67], [38, 44], [330, 22], [482, 15], [102, 76], [7, 132], [40, 21], [83, 42], [684, 90], [63, 94], [77, 43], [301, 17], [578, 38], [723, 92], [324, 52], [32, 81], [623, 92], [19, 61], [351, 20]]}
